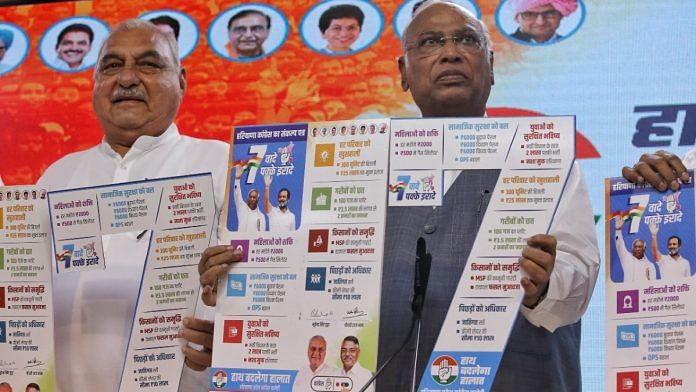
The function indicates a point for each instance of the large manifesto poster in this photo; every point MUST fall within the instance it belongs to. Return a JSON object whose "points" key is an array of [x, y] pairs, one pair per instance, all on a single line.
{"points": [[306, 207], [651, 258]]}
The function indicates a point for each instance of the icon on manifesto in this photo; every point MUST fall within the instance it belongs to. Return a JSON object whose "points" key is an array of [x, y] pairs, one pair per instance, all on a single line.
{"points": [[627, 301]]}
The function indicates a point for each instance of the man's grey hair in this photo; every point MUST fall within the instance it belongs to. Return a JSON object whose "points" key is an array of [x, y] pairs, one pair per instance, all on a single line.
{"points": [[139, 24], [637, 240], [317, 337], [486, 42]]}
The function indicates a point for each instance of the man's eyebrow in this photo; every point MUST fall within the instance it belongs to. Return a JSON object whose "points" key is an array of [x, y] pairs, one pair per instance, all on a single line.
{"points": [[109, 56], [149, 53]]}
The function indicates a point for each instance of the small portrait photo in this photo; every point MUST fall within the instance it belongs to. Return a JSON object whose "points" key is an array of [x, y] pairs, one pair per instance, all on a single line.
{"points": [[14, 46], [340, 28], [183, 27], [248, 32], [409, 7], [71, 45], [539, 22]]}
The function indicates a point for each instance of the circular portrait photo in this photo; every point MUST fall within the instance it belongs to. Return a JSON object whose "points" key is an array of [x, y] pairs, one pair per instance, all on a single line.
{"points": [[248, 32], [339, 27], [406, 10], [180, 25], [14, 46], [71, 45], [539, 22]]}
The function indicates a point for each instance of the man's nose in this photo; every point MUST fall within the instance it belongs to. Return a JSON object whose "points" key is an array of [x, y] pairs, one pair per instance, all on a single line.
{"points": [[128, 76], [450, 52]]}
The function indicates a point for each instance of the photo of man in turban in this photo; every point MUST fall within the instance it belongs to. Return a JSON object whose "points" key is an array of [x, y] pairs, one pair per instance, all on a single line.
{"points": [[538, 20]]}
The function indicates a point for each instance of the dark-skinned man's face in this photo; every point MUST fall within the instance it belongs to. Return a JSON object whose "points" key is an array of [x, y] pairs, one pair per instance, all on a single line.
{"points": [[450, 80]]}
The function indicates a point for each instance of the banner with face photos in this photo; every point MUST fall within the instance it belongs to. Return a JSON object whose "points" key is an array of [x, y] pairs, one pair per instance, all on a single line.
{"points": [[26, 304], [306, 205], [179, 212], [650, 262]]}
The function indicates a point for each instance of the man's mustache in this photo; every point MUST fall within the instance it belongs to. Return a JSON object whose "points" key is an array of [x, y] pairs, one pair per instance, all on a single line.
{"points": [[121, 94]]}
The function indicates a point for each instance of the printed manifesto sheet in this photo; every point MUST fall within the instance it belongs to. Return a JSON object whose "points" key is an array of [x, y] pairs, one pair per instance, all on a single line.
{"points": [[306, 206], [178, 212], [26, 303], [650, 308]]}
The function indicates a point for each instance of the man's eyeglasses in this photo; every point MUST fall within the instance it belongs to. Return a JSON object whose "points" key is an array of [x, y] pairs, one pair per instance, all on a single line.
{"points": [[551, 14], [349, 350], [239, 30], [432, 44]]}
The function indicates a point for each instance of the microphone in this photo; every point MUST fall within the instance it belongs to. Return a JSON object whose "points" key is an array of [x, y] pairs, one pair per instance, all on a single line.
{"points": [[421, 275], [420, 286]]}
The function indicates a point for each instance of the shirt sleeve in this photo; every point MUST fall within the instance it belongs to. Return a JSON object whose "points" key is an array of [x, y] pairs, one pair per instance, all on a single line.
{"points": [[577, 259], [624, 256]]}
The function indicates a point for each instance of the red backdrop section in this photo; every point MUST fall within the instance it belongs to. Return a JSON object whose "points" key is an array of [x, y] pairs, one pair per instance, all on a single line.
{"points": [[46, 114]]}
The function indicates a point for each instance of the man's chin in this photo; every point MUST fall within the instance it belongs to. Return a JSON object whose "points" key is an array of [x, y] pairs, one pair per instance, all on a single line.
{"points": [[249, 50]]}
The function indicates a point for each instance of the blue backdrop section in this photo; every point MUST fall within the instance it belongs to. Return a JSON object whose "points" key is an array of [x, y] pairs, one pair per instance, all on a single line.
{"points": [[628, 55], [280, 151], [672, 213]]}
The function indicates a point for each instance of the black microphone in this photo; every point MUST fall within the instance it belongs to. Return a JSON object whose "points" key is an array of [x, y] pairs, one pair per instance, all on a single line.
{"points": [[421, 275], [420, 286]]}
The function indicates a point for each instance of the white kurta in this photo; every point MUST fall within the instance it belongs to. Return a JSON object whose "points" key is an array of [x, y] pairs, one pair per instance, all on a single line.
{"points": [[671, 268], [305, 375], [634, 269], [281, 221], [94, 309], [249, 220], [359, 375]]}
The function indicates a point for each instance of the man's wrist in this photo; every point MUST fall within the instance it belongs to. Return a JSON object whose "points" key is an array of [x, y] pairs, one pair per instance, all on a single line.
{"points": [[539, 299]]}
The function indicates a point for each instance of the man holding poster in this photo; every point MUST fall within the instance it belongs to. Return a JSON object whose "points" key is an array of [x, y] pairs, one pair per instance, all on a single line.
{"points": [[448, 67], [138, 87]]}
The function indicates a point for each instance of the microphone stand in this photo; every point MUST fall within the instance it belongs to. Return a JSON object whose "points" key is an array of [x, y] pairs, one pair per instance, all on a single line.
{"points": [[420, 285]]}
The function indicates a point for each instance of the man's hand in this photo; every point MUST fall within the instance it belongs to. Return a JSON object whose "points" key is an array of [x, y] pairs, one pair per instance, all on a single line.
{"points": [[238, 172], [654, 229], [661, 169], [214, 263], [444, 371], [199, 332], [618, 222], [267, 179], [537, 260]]}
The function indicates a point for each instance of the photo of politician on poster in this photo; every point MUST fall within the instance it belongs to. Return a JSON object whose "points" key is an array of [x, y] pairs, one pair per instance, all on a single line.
{"points": [[267, 178], [650, 233]]}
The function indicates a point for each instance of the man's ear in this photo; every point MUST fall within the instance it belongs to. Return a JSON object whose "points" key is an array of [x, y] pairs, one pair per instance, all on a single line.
{"points": [[490, 58], [402, 70], [182, 79]]}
